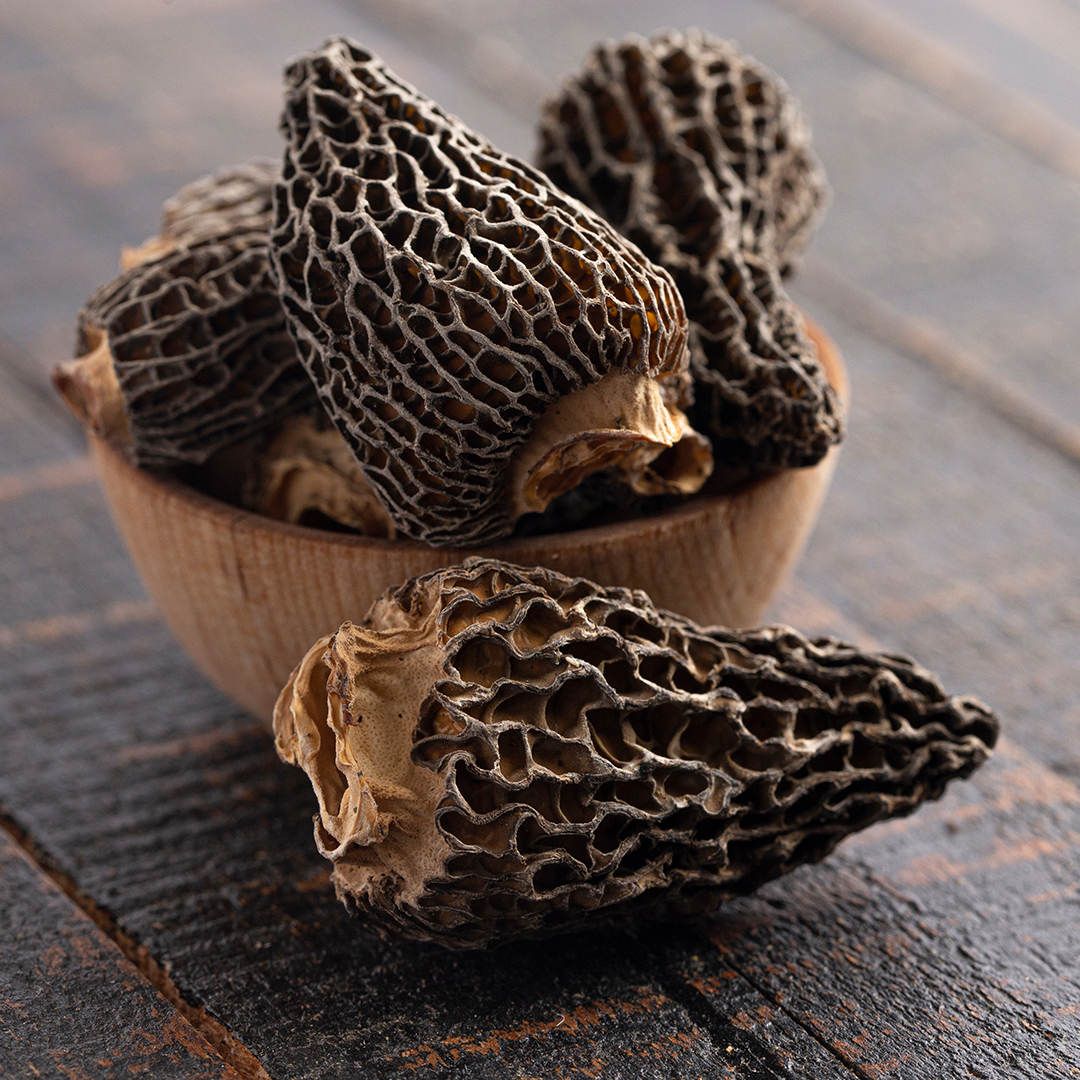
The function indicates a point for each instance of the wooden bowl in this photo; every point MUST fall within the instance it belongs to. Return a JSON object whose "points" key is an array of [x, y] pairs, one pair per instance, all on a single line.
{"points": [[246, 596]]}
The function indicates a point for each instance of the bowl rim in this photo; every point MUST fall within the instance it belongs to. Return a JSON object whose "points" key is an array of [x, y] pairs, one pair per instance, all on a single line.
{"points": [[179, 489], [696, 506]]}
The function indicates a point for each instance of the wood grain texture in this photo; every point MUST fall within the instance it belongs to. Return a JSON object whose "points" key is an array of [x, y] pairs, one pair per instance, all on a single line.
{"points": [[953, 931], [31, 432], [901, 46], [247, 597], [70, 1003], [199, 842]]}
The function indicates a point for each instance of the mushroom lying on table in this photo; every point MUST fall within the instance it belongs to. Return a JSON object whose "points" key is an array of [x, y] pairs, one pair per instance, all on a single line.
{"points": [[501, 751]]}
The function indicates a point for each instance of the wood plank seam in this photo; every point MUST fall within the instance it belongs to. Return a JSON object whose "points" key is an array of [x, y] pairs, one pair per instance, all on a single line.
{"points": [[73, 624], [795, 1018], [1029, 849], [1050, 25], [923, 341], [694, 1001], [232, 1051], [929, 62], [1063, 790], [50, 476], [79, 1002]]}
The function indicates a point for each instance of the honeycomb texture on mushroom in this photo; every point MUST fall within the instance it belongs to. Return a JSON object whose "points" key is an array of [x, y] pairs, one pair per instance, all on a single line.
{"points": [[229, 202], [578, 756], [701, 157], [444, 295], [195, 328]]}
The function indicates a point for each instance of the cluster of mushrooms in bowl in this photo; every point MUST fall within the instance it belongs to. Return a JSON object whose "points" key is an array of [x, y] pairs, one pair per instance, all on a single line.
{"points": [[511, 419]]}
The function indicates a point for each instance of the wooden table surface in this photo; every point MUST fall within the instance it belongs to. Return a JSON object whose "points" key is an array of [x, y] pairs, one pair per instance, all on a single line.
{"points": [[163, 910]]}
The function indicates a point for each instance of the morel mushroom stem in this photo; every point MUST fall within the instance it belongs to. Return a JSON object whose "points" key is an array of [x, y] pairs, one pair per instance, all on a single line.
{"points": [[500, 751], [91, 390], [622, 420], [307, 470], [376, 805]]}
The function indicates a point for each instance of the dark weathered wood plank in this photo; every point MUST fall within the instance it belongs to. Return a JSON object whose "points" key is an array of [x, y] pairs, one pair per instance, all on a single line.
{"points": [[70, 1003], [939, 946], [49, 528]]}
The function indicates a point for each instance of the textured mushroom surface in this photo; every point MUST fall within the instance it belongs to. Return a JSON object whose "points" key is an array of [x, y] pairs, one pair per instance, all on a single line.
{"points": [[187, 350], [701, 157], [500, 751], [450, 303], [230, 202]]}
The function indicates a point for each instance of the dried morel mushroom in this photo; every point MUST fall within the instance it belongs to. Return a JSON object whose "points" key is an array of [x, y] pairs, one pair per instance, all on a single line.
{"points": [[228, 203], [482, 340], [187, 351], [500, 751], [701, 157], [304, 471]]}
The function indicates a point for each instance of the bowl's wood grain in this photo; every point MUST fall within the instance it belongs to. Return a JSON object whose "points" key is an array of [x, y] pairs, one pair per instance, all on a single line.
{"points": [[246, 596]]}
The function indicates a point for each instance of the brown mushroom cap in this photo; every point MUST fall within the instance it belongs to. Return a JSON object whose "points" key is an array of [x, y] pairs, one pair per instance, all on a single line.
{"points": [[187, 352], [445, 298], [501, 751], [701, 157]]}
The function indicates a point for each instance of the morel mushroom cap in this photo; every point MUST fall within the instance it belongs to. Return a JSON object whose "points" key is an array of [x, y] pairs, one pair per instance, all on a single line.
{"points": [[701, 157], [187, 351], [500, 751], [450, 303], [230, 202]]}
